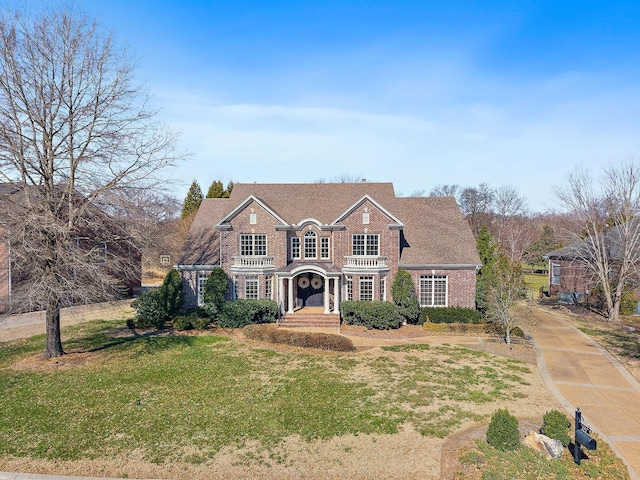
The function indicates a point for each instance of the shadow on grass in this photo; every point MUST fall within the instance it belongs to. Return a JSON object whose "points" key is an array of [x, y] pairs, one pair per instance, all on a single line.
{"points": [[149, 342]]}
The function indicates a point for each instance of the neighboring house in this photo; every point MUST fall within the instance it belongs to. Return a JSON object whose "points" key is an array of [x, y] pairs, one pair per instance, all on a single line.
{"points": [[569, 279], [572, 272], [106, 244], [320, 244]]}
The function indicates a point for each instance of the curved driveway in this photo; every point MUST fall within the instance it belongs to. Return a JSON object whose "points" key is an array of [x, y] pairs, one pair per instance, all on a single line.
{"points": [[580, 373]]}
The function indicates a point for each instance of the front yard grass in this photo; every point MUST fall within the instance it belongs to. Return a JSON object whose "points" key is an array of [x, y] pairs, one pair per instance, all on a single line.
{"points": [[181, 400]]}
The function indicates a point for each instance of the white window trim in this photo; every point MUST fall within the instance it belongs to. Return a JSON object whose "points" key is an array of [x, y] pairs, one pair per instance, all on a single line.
{"points": [[254, 281], [366, 280], [253, 243], [201, 280], [431, 281], [293, 256], [365, 245], [326, 240], [310, 235], [556, 279]]}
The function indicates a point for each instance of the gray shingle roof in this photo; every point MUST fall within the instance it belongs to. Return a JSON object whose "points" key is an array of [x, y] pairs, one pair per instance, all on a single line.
{"points": [[323, 201], [435, 232], [202, 244]]}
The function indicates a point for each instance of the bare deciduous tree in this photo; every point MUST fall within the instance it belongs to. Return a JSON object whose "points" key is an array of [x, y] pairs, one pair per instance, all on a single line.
{"points": [[445, 191], [75, 132], [506, 288], [509, 205], [476, 204], [607, 246]]}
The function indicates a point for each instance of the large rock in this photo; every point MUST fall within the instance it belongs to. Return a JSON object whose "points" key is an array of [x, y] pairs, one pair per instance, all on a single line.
{"points": [[549, 447]]}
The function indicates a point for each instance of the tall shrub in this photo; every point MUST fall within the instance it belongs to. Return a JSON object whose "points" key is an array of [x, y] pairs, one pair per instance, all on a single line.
{"points": [[404, 295], [149, 310], [215, 291], [171, 293]]}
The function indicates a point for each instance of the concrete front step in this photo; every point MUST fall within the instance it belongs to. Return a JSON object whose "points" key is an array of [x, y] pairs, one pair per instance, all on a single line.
{"points": [[306, 320]]}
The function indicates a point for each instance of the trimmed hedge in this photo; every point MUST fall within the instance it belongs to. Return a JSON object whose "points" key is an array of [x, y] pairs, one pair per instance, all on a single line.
{"points": [[324, 341], [450, 315], [239, 313], [378, 315]]}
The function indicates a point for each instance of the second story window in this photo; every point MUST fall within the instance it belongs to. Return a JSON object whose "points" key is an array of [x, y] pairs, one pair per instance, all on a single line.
{"points": [[295, 248], [310, 245], [253, 244], [365, 244], [324, 247]]}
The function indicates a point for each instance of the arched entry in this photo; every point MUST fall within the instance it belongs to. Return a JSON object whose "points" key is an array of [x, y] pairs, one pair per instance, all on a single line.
{"points": [[310, 290]]}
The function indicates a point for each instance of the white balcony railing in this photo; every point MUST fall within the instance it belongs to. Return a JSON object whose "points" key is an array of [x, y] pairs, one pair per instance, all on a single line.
{"points": [[366, 262], [252, 262]]}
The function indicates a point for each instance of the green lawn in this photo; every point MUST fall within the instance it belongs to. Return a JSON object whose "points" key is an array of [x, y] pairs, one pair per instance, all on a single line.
{"points": [[170, 395], [533, 282], [180, 399]]}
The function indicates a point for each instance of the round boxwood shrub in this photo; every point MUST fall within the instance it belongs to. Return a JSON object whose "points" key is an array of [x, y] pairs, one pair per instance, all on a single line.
{"points": [[556, 425], [239, 313], [503, 431]]}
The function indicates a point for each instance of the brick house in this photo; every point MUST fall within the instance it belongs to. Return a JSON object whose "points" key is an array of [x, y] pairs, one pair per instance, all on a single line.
{"points": [[315, 245]]}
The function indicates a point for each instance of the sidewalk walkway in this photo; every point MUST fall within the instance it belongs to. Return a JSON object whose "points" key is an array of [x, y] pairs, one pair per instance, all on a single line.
{"points": [[580, 373]]}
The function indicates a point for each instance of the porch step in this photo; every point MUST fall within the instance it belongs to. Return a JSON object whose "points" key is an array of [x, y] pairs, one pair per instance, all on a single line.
{"points": [[310, 320]]}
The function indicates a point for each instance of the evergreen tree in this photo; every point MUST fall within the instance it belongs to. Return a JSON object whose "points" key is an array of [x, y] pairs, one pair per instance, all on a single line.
{"points": [[545, 244], [488, 252], [192, 201], [227, 191], [404, 295], [216, 190], [216, 288]]}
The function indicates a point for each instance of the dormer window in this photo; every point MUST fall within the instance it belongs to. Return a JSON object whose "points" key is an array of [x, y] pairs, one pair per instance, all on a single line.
{"points": [[310, 245]]}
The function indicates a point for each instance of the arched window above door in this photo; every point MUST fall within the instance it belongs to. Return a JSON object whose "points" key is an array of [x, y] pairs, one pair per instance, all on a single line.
{"points": [[310, 245]]}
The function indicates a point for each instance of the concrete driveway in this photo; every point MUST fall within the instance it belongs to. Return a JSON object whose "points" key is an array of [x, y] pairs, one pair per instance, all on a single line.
{"points": [[580, 373]]}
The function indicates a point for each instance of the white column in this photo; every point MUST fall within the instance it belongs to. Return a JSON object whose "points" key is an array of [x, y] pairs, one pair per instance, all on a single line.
{"points": [[290, 309], [336, 295], [327, 310], [280, 293]]}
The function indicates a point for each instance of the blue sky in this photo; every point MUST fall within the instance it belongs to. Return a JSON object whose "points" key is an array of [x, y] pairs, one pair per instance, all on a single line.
{"points": [[420, 93]]}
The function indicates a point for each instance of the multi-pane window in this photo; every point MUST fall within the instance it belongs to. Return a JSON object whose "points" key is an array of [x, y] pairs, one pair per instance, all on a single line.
{"points": [[433, 290], [366, 288], [310, 244], [295, 247], [555, 274], [253, 244], [324, 247], [268, 286], [383, 287], [349, 287], [365, 244], [251, 287], [201, 281]]}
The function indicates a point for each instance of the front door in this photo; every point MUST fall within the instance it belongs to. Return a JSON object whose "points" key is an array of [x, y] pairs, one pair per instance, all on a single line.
{"points": [[310, 290]]}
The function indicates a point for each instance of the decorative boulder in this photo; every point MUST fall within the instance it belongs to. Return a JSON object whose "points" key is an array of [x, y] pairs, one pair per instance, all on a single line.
{"points": [[549, 447]]}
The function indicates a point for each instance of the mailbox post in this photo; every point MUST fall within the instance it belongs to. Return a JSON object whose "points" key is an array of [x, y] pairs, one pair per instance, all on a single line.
{"points": [[582, 437]]}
